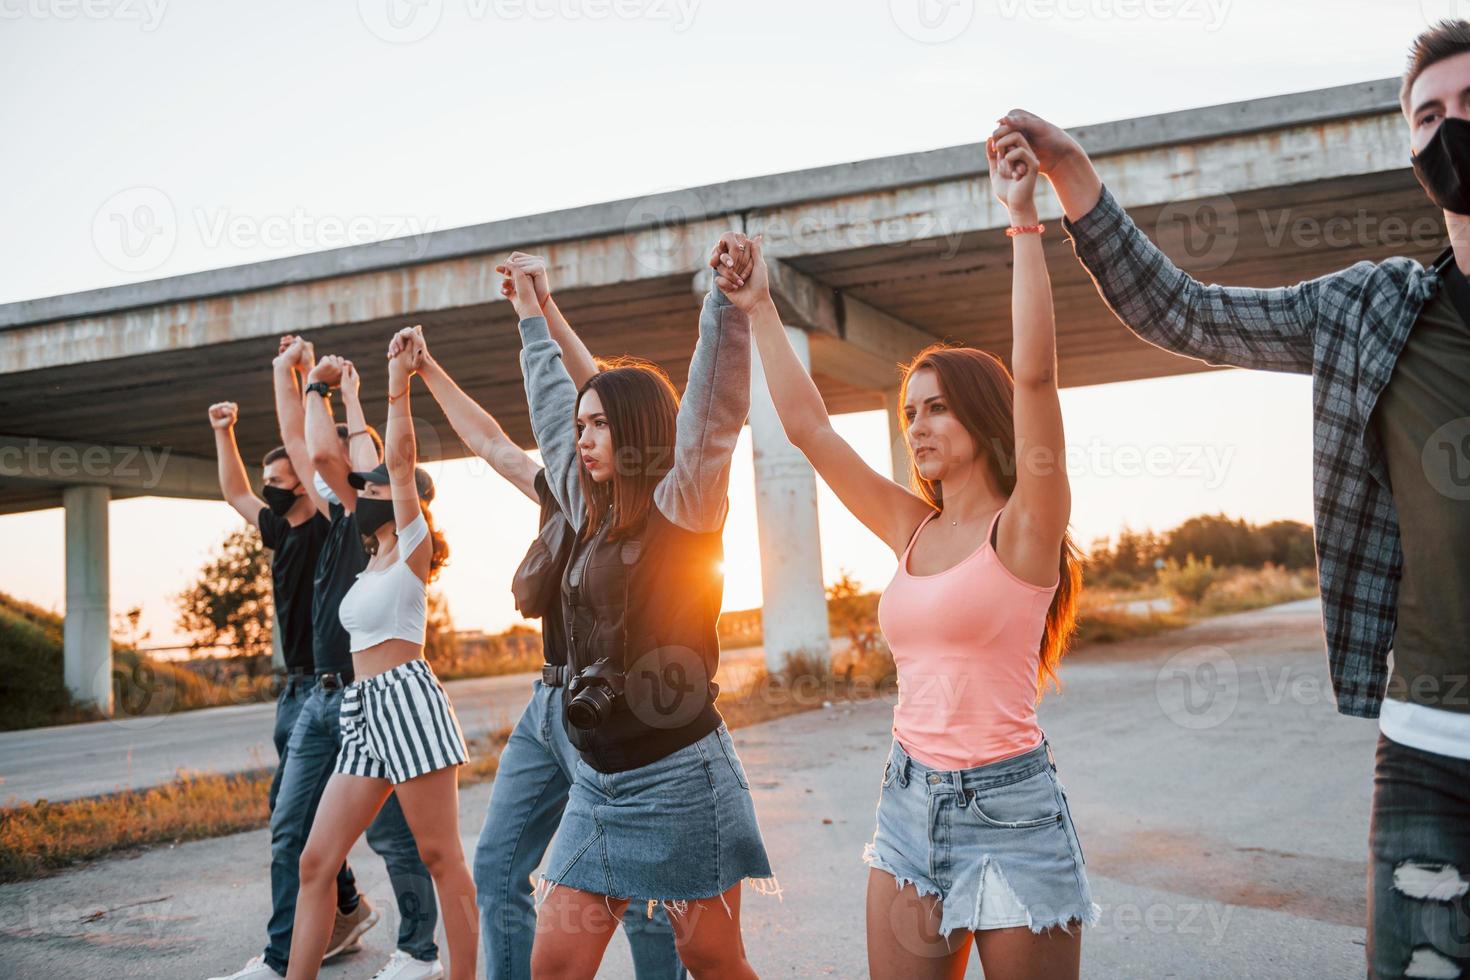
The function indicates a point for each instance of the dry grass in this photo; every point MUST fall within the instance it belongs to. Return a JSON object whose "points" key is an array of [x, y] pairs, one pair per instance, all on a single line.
{"points": [[1233, 589], [42, 837]]}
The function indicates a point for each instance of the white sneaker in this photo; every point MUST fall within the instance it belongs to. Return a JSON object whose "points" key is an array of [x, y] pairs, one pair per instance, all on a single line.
{"points": [[401, 966], [256, 969]]}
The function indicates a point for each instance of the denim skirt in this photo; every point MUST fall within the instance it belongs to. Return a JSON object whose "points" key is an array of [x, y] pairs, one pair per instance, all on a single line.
{"points": [[675, 830], [994, 843]]}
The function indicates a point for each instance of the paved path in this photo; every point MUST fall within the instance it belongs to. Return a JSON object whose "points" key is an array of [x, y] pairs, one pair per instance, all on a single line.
{"points": [[1221, 802], [69, 761]]}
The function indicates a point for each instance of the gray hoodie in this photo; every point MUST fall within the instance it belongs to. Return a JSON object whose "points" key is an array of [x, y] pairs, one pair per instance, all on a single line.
{"points": [[711, 413]]}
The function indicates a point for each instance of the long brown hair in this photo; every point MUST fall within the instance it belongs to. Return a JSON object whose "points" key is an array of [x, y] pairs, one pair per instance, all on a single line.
{"points": [[980, 393], [642, 409]]}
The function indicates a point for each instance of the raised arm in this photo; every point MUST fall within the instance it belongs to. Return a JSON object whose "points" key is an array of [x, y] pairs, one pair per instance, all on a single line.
{"points": [[885, 508], [475, 427], [1265, 329], [1041, 503], [362, 452], [294, 359], [716, 400], [552, 397], [322, 441], [234, 485], [579, 361], [400, 452]]}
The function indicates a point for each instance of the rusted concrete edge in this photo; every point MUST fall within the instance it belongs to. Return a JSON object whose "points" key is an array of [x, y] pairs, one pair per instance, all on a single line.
{"points": [[731, 197]]}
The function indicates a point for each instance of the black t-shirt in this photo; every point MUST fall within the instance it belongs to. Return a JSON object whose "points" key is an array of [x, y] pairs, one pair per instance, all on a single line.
{"points": [[553, 630], [342, 557], [1423, 421], [294, 553]]}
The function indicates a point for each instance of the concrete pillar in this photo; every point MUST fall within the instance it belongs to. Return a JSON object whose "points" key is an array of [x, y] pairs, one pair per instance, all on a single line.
{"points": [[793, 600], [898, 450], [87, 629]]}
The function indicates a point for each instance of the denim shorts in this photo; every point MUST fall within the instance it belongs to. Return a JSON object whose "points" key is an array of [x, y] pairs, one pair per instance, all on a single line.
{"points": [[994, 843], [675, 830], [398, 725]]}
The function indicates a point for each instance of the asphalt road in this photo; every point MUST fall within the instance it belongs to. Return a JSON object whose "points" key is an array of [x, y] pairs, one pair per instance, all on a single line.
{"points": [[66, 762], [1221, 801]]}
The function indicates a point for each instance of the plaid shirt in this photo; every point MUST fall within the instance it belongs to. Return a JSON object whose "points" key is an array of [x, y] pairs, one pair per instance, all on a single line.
{"points": [[1346, 330]]}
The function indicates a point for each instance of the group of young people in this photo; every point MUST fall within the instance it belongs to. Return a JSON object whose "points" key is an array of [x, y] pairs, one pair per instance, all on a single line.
{"points": [[620, 775]]}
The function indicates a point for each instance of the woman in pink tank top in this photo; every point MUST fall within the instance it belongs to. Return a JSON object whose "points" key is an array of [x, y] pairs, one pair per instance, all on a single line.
{"points": [[974, 836]]}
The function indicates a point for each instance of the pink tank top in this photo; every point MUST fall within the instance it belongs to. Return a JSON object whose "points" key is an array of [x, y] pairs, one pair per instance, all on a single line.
{"points": [[967, 645]]}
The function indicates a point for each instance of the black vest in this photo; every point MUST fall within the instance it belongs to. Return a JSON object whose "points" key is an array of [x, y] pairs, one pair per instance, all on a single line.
{"points": [[649, 604]]}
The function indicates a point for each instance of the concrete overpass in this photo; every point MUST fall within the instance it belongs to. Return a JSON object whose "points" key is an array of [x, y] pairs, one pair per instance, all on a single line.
{"points": [[102, 392]]}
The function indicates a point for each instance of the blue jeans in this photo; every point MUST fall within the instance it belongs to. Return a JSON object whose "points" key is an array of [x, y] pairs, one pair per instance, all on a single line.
{"points": [[288, 708], [1418, 904], [311, 752], [526, 802]]}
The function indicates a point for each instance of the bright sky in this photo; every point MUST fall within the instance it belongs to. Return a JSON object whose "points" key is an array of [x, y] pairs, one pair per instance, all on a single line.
{"points": [[274, 128]]}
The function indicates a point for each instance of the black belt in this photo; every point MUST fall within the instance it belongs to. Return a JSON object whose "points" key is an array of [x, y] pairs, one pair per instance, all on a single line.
{"points": [[294, 679], [554, 676]]}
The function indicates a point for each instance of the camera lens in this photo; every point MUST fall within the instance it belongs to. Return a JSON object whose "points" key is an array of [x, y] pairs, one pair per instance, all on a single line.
{"points": [[589, 708]]}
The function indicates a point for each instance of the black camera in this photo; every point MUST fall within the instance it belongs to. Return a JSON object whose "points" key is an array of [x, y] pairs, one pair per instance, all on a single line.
{"points": [[592, 693]]}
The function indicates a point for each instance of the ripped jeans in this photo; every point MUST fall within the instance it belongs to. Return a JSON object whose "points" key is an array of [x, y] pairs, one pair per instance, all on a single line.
{"points": [[1419, 868]]}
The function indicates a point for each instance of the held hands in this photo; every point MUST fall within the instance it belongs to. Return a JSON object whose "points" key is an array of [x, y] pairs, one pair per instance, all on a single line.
{"points": [[1052, 145], [1013, 172], [295, 353], [404, 353], [520, 289], [328, 369], [535, 267], [409, 342], [222, 416], [740, 270], [349, 381]]}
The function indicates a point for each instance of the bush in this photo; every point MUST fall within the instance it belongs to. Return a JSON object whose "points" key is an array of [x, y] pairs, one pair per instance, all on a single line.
{"points": [[1190, 581]]}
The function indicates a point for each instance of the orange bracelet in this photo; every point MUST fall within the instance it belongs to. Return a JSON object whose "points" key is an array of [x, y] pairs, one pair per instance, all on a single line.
{"points": [[1014, 230], [393, 398]]}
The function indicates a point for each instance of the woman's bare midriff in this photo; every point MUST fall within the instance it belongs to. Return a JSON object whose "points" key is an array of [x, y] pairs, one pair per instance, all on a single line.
{"points": [[383, 657]]}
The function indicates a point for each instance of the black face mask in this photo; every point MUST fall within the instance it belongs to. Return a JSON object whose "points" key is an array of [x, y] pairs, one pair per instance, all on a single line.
{"points": [[279, 499], [1443, 166], [372, 514]]}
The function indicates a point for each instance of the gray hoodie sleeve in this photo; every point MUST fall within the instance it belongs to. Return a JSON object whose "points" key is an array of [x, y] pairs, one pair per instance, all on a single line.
{"points": [[711, 413], [553, 400]]}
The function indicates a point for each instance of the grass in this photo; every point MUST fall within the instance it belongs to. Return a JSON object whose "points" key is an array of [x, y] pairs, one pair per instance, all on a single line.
{"points": [[1232, 590], [32, 691]]}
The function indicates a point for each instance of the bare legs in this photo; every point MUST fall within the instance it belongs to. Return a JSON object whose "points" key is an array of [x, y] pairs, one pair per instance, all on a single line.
{"points": [[573, 928], [904, 941], [431, 806]]}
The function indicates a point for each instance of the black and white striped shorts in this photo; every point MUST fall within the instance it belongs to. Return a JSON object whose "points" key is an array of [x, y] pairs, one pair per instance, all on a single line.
{"points": [[398, 724]]}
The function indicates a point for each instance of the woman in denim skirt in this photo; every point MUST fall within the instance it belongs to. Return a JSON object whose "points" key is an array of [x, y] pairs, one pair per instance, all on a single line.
{"points": [[660, 806], [974, 841]]}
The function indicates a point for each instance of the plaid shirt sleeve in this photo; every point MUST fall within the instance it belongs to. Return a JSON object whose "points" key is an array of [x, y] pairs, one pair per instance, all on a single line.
{"points": [[1265, 329]]}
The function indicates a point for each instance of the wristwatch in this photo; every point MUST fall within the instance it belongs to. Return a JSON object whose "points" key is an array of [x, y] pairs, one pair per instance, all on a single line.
{"points": [[321, 388]]}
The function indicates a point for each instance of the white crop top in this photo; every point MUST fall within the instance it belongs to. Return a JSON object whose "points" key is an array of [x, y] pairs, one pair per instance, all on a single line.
{"points": [[388, 604]]}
